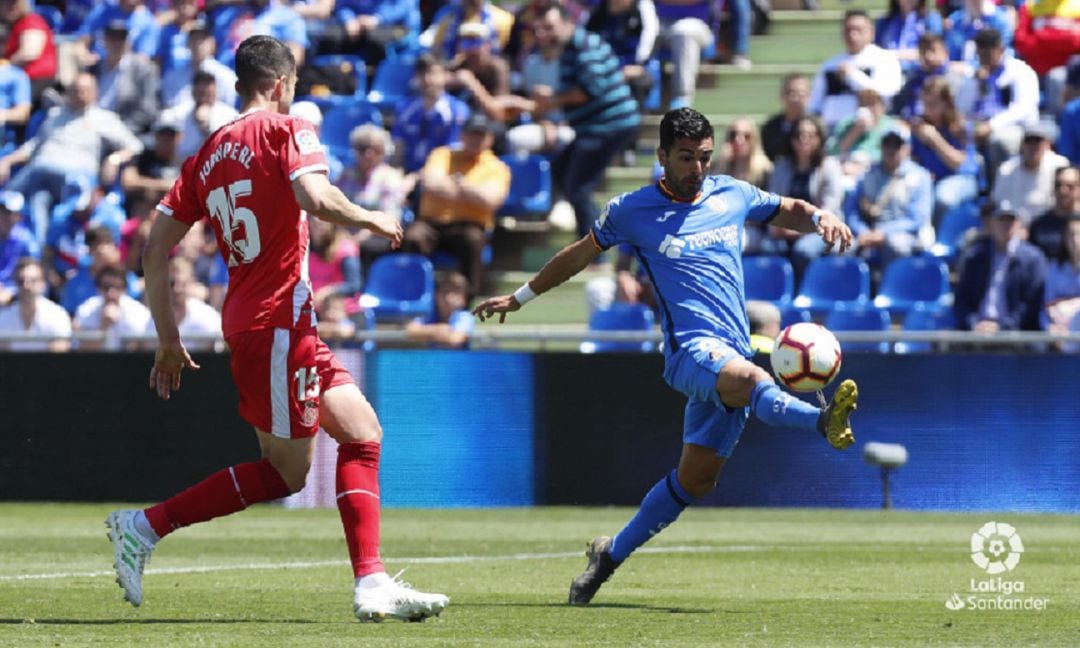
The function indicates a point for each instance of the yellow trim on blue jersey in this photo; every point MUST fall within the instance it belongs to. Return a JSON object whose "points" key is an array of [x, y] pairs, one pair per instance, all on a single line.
{"points": [[662, 186]]}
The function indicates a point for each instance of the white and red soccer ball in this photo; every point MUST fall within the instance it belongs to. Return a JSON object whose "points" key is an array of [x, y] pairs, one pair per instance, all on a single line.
{"points": [[806, 357]]}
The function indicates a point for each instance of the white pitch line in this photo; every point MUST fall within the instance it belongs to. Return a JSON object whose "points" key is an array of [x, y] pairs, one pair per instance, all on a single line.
{"points": [[424, 560]]}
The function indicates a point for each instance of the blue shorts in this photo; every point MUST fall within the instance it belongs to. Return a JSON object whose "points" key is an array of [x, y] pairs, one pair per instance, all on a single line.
{"points": [[693, 370]]}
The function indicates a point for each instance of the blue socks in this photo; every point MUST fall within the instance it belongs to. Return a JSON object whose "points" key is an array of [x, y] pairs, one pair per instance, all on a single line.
{"points": [[661, 506], [770, 404]]}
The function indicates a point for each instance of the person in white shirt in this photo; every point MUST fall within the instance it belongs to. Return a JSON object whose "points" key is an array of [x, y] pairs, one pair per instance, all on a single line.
{"points": [[1001, 97], [200, 116], [31, 312], [112, 312], [196, 319], [834, 93], [1026, 180]]}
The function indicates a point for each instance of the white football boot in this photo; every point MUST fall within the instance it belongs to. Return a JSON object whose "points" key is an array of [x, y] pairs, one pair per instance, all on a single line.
{"points": [[131, 552], [389, 598]]}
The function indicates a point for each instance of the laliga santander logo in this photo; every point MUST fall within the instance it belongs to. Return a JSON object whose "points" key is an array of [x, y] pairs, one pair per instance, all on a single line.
{"points": [[996, 547]]}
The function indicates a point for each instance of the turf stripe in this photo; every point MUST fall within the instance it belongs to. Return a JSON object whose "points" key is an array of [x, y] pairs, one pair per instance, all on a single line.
{"points": [[424, 560]]}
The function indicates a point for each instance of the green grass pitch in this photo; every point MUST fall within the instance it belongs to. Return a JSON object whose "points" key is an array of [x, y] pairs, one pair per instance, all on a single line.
{"points": [[718, 577]]}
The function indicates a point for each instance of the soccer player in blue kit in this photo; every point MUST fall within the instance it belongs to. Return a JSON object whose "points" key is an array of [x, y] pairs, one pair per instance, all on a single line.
{"points": [[686, 231]]}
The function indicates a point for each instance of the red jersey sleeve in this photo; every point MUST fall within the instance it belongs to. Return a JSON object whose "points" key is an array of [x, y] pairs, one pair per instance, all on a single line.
{"points": [[301, 151], [182, 203]]}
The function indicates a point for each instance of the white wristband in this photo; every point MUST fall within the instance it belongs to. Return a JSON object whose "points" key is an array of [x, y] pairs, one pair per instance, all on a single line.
{"points": [[524, 294]]}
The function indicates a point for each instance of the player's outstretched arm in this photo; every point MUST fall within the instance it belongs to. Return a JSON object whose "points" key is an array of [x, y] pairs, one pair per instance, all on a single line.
{"points": [[801, 216], [318, 197], [171, 357], [566, 263]]}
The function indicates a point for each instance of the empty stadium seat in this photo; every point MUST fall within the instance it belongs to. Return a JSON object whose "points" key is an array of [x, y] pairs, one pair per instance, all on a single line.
{"points": [[391, 81], [791, 315], [830, 280], [769, 278], [620, 317], [530, 186], [340, 120], [859, 317], [400, 287], [909, 281], [953, 228], [925, 318]]}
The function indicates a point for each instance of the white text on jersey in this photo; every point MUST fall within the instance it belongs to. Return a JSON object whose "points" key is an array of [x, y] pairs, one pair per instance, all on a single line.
{"points": [[227, 151]]}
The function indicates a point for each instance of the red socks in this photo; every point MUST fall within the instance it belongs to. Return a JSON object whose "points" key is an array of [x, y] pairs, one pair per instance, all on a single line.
{"points": [[358, 503], [226, 491]]}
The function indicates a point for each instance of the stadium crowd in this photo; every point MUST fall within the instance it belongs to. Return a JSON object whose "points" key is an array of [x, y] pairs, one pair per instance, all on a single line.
{"points": [[932, 115]]}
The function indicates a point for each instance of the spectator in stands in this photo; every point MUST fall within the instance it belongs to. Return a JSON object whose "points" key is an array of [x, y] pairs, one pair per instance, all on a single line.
{"points": [[1026, 180], [128, 83], [366, 27], [862, 66], [764, 319], [903, 25], [176, 24], [142, 30], [776, 132], [943, 144], [631, 28], [482, 77], [451, 325], [962, 25], [32, 312], [70, 142], [84, 256], [684, 29], [1047, 232], [548, 130], [1001, 278], [154, 170], [1001, 97], [1047, 36], [374, 184], [30, 44], [890, 210], [1068, 143], [741, 155], [200, 48], [460, 191], [933, 62], [195, 319], [15, 101], [596, 101], [1061, 297], [334, 261], [432, 119], [233, 23], [112, 312], [334, 323], [200, 116], [310, 111], [16, 242], [447, 31], [810, 175], [856, 140]]}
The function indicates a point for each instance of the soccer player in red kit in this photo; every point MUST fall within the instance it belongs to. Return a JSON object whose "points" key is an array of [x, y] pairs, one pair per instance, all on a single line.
{"points": [[256, 179]]}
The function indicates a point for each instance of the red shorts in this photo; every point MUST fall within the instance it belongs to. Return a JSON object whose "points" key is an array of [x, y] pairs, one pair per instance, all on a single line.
{"points": [[281, 374]]}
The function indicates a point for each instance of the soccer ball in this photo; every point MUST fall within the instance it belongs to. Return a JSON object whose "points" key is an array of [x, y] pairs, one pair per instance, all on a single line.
{"points": [[806, 357]]}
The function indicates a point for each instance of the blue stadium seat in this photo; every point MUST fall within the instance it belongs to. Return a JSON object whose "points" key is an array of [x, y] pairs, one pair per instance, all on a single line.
{"points": [[530, 186], [953, 228], [400, 287], [620, 317], [914, 280], [925, 318], [391, 81], [859, 317], [340, 120], [769, 278], [790, 315], [830, 280]]}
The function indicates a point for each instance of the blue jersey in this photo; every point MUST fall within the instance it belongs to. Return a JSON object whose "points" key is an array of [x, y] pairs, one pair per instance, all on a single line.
{"points": [[692, 252]]}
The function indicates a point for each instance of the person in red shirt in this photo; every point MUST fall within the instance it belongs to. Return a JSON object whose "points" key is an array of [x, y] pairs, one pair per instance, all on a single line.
{"points": [[256, 179], [30, 44]]}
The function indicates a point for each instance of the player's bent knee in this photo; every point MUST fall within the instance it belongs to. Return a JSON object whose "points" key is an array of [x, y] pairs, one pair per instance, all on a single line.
{"points": [[737, 380], [348, 417]]}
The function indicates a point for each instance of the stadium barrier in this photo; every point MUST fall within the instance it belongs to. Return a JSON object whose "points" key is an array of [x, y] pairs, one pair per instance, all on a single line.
{"points": [[993, 431]]}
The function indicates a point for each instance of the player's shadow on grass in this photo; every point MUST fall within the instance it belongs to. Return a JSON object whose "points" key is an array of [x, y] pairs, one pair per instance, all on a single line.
{"points": [[104, 622], [627, 606]]}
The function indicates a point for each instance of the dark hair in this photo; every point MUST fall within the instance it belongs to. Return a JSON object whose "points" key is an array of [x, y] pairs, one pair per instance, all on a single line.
{"points": [[260, 60], [110, 271], [894, 8], [1065, 169], [683, 123], [988, 38], [927, 39], [793, 76], [544, 7], [822, 132], [452, 282], [425, 62], [98, 234], [202, 76], [855, 13], [26, 262]]}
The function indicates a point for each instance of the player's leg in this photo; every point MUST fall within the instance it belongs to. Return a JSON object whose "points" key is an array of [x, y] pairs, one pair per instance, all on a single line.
{"points": [[741, 383], [350, 420]]}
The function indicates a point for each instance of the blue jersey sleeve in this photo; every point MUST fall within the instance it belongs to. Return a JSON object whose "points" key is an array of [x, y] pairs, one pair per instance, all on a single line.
{"points": [[606, 231], [761, 206]]}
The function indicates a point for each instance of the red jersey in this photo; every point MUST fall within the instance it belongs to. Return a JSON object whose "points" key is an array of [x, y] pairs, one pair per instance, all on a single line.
{"points": [[241, 179], [44, 66]]}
